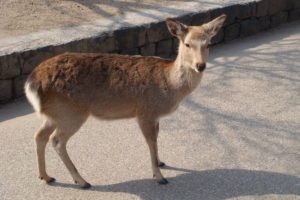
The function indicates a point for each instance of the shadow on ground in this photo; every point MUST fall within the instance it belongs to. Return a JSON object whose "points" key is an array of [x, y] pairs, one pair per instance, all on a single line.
{"points": [[15, 109], [210, 184], [99, 7]]}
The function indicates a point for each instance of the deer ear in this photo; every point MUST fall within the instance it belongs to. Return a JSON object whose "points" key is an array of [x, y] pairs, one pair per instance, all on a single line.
{"points": [[214, 26], [176, 28]]}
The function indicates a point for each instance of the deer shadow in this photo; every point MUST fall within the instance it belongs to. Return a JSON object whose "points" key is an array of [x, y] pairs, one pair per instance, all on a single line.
{"points": [[208, 184]]}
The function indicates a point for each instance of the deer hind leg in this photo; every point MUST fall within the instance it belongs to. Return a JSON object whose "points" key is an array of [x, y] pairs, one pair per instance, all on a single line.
{"points": [[60, 138], [150, 130], [41, 140]]}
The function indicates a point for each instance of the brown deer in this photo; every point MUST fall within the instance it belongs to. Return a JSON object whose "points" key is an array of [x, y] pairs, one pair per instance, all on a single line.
{"points": [[67, 88]]}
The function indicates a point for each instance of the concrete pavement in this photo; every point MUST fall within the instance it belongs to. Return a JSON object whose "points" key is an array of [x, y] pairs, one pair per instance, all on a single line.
{"points": [[236, 137]]}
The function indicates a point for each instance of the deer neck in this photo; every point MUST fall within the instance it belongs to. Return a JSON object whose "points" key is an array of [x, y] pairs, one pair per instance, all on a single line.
{"points": [[182, 77]]}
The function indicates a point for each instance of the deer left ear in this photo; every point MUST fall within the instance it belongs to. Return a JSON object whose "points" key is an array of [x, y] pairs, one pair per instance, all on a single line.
{"points": [[176, 28], [214, 26]]}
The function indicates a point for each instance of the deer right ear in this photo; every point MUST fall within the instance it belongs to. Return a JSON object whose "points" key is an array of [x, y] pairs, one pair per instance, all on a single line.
{"points": [[176, 28]]}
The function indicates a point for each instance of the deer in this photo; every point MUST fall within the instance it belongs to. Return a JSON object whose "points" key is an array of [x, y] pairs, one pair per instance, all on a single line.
{"points": [[68, 88]]}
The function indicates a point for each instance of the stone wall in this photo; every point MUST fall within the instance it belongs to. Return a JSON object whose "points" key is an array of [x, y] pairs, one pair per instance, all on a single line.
{"points": [[150, 39]]}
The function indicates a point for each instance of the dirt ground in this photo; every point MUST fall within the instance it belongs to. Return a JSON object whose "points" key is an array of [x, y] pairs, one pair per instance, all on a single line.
{"points": [[19, 17]]}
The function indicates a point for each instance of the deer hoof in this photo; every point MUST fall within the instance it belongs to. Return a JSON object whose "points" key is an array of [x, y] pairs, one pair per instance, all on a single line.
{"points": [[161, 164], [86, 186], [163, 181], [51, 180]]}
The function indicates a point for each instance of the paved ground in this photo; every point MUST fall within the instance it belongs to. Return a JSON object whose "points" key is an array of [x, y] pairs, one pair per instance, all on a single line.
{"points": [[236, 137], [19, 17]]}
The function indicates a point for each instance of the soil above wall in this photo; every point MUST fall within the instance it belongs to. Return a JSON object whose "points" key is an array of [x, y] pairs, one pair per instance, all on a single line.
{"points": [[18, 17]]}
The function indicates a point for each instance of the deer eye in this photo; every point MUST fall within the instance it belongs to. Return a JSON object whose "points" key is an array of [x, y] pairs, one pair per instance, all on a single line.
{"points": [[187, 45]]}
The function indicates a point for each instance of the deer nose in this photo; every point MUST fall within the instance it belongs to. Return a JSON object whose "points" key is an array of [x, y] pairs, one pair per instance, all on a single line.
{"points": [[201, 66]]}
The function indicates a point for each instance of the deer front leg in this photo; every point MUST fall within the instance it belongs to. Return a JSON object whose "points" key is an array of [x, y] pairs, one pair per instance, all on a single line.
{"points": [[150, 128], [160, 163]]}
